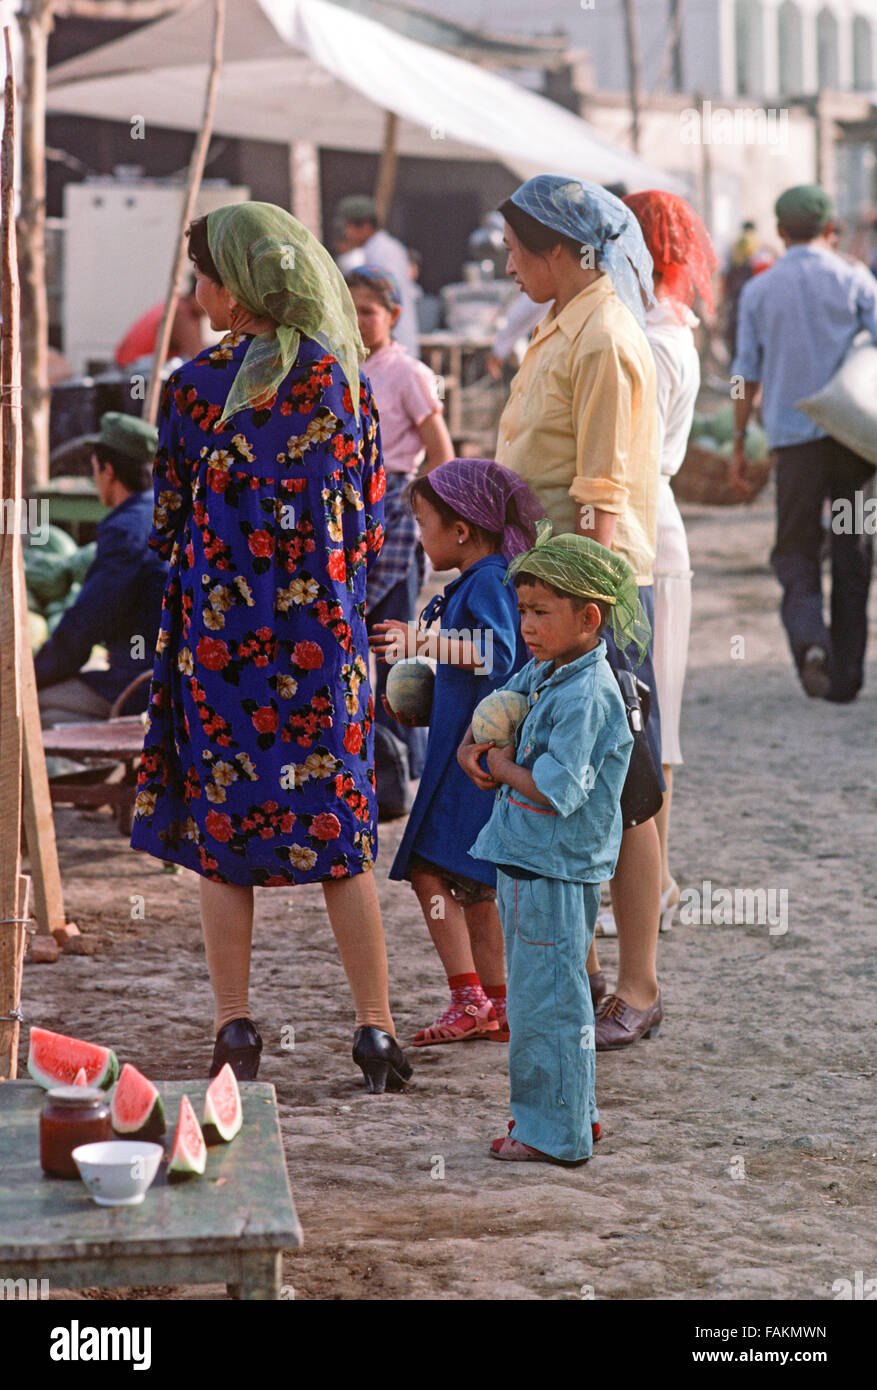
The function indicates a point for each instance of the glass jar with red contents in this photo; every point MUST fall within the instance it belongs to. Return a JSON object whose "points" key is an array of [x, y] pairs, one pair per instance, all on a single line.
{"points": [[71, 1115]]}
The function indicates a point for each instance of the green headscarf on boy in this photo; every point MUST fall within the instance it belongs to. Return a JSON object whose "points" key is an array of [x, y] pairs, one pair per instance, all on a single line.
{"points": [[582, 566]]}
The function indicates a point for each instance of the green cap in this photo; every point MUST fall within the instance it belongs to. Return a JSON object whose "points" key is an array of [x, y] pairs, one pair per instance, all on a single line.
{"points": [[806, 208], [358, 207], [128, 435]]}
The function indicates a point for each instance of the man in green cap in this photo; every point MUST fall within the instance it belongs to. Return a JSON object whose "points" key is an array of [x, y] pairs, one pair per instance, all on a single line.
{"points": [[119, 605], [366, 242], [797, 321]]}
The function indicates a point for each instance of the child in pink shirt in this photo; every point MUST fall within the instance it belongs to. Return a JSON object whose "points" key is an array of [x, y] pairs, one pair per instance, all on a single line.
{"points": [[412, 424]]}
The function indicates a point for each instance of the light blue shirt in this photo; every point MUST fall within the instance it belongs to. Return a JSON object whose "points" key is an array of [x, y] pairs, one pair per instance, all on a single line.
{"points": [[576, 742], [795, 325]]}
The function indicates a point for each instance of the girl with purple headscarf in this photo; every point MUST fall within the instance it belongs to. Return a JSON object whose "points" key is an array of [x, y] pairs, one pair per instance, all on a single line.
{"points": [[474, 516]]}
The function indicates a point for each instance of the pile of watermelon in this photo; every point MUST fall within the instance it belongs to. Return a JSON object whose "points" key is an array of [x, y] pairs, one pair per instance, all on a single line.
{"points": [[716, 433], [54, 572], [136, 1108]]}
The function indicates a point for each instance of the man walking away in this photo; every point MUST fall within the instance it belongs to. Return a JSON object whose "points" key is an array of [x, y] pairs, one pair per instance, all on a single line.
{"points": [[797, 322]]}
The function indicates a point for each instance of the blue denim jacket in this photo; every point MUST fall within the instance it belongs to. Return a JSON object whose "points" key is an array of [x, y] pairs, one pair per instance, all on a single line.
{"points": [[576, 742], [120, 599]]}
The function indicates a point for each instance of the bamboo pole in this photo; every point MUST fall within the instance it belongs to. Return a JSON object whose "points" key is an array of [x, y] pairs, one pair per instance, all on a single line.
{"points": [[13, 900], [193, 183], [35, 21], [387, 168]]}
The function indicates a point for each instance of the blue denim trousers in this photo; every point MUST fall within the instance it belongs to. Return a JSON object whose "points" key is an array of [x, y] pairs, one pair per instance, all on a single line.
{"points": [[548, 925]]}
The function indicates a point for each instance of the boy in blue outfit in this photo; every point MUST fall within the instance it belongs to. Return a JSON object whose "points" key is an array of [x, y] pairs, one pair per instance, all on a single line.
{"points": [[555, 831]]}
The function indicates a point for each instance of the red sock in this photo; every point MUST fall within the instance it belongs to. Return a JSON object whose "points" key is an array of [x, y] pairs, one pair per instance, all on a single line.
{"points": [[461, 981]]}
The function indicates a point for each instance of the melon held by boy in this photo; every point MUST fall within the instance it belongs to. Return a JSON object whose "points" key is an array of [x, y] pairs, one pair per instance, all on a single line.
{"points": [[496, 718]]}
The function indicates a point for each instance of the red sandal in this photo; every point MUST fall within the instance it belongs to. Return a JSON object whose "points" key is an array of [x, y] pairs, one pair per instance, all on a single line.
{"points": [[459, 1024]]}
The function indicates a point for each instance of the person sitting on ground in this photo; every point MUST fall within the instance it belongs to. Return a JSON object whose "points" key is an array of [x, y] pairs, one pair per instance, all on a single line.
{"points": [[186, 338], [119, 605]]}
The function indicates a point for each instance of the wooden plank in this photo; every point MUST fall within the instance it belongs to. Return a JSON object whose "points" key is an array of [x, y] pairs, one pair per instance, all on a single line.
{"points": [[105, 794], [242, 1204], [35, 22], [11, 598], [249, 1274], [39, 822], [108, 739]]}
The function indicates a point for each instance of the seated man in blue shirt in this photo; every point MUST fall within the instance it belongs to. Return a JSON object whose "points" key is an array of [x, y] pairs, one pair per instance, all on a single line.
{"points": [[119, 605], [796, 324]]}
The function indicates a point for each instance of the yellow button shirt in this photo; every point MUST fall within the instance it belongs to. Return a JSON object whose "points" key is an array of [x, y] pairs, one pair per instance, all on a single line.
{"points": [[581, 422]]}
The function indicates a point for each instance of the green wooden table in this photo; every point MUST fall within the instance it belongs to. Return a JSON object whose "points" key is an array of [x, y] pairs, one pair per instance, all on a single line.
{"points": [[228, 1227]]}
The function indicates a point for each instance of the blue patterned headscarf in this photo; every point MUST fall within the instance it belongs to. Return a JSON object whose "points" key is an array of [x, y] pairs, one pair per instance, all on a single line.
{"points": [[593, 216]]}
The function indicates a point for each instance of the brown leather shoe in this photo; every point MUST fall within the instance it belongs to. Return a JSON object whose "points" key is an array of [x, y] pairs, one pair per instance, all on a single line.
{"points": [[597, 981], [619, 1024]]}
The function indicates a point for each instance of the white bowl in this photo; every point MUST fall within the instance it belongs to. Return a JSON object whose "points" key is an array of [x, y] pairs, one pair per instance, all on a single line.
{"points": [[118, 1171]]}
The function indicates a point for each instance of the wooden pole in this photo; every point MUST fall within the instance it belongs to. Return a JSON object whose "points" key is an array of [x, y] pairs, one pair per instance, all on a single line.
{"points": [[634, 79], [13, 901], [304, 181], [35, 21], [39, 820], [387, 168], [193, 183]]}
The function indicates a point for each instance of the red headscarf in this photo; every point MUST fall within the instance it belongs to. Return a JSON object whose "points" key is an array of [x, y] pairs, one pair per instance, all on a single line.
{"points": [[679, 245]]}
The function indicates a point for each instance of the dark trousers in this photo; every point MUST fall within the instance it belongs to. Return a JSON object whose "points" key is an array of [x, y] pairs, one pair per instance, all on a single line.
{"points": [[399, 603], [806, 475]]}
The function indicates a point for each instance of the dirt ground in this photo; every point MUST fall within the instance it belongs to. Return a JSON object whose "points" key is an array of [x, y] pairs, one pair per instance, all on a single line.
{"points": [[740, 1157]]}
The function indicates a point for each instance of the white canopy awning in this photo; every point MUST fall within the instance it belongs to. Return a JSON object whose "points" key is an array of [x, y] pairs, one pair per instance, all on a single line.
{"points": [[312, 71]]}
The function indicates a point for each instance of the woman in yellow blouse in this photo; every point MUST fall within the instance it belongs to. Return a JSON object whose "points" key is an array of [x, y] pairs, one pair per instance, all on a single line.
{"points": [[581, 428]]}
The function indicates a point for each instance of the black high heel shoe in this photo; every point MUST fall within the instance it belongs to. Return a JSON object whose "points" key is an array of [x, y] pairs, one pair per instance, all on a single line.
{"points": [[381, 1059], [239, 1044]]}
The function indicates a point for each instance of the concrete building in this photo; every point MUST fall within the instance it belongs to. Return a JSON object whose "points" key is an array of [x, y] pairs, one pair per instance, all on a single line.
{"points": [[791, 88]]}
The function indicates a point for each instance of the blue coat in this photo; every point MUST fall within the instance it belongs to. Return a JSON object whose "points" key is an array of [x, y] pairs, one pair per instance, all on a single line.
{"points": [[258, 763], [449, 810], [576, 742], [120, 600]]}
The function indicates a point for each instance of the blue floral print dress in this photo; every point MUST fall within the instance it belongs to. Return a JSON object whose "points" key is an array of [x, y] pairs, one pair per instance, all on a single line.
{"points": [[257, 766]]}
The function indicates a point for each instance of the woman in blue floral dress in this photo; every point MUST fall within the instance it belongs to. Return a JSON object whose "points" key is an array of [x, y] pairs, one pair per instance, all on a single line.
{"points": [[257, 767]]}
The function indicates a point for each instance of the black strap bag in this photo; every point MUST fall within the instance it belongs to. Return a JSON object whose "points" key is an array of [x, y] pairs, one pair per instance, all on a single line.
{"points": [[641, 795]]}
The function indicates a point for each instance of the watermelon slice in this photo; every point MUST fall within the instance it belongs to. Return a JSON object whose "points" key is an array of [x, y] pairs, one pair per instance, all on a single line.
{"points": [[136, 1110], [80, 1079], [188, 1151], [223, 1116], [55, 1060]]}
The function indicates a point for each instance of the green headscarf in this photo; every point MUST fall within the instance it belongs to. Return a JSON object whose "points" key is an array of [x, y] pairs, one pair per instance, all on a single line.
{"points": [[277, 269], [581, 566]]}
